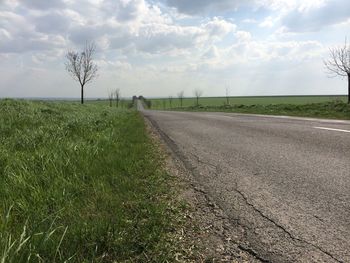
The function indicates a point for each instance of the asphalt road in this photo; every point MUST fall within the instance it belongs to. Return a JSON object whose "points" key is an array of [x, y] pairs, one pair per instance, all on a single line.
{"points": [[286, 180]]}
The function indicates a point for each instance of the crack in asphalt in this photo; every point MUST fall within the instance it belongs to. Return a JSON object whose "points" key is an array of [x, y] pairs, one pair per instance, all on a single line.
{"points": [[319, 218], [249, 250], [283, 228], [289, 234], [216, 167], [253, 253], [203, 162], [194, 170]]}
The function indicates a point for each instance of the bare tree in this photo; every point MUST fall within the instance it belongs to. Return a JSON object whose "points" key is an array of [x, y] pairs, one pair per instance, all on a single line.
{"points": [[197, 93], [339, 63], [171, 101], [181, 95], [81, 67], [117, 96], [110, 97]]}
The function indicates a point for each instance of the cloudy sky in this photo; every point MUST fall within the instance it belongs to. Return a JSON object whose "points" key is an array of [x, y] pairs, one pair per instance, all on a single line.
{"points": [[159, 47]]}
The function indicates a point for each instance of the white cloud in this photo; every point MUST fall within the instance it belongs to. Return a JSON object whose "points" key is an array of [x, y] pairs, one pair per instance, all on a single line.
{"points": [[295, 15], [316, 15], [21, 36], [268, 22], [295, 51], [203, 7], [175, 39], [243, 36], [155, 45], [219, 28], [42, 5], [53, 23]]}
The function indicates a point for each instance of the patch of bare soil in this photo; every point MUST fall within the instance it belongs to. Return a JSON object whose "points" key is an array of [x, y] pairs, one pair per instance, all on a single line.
{"points": [[207, 235]]}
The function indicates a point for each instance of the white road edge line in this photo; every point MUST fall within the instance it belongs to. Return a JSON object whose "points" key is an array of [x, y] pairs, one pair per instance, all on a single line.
{"points": [[331, 129], [280, 117]]}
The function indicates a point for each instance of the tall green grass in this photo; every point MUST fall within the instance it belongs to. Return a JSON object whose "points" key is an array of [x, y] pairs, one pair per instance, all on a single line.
{"points": [[79, 183]]}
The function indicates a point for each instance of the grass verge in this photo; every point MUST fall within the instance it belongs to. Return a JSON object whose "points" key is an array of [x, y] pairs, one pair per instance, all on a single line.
{"points": [[166, 103], [81, 183], [332, 110]]}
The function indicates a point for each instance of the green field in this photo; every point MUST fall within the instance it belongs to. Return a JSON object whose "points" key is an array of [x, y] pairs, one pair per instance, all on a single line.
{"points": [[81, 183], [219, 101], [305, 106], [123, 103]]}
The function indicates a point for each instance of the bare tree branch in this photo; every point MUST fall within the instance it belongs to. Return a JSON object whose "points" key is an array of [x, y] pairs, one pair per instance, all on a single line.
{"points": [[227, 95], [339, 63], [181, 95], [117, 96], [171, 101], [197, 93], [110, 97], [81, 66]]}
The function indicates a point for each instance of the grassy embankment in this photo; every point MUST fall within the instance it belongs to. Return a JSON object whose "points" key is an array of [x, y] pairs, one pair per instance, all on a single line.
{"points": [[81, 184], [306, 106]]}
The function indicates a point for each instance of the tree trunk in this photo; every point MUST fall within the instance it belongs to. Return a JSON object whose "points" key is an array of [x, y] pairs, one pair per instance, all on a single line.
{"points": [[82, 94], [348, 88]]}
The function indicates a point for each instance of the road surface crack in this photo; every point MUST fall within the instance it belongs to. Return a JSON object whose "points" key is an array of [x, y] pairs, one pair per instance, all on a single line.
{"points": [[216, 167], [253, 253], [289, 234], [220, 215], [194, 170], [203, 162]]}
